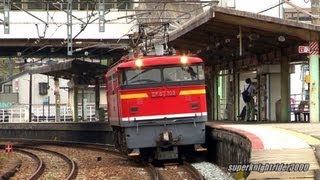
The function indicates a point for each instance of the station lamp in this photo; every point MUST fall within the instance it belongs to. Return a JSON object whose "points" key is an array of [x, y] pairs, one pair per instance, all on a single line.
{"points": [[281, 38]]}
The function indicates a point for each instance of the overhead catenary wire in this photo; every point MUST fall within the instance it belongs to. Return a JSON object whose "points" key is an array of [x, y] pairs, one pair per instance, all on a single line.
{"points": [[153, 29], [86, 23], [292, 5], [300, 9], [271, 7]]}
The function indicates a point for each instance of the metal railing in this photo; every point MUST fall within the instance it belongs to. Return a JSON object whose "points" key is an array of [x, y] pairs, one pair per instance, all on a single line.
{"points": [[47, 114]]}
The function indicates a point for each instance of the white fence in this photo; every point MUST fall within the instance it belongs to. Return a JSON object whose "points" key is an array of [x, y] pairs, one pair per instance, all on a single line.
{"points": [[45, 114]]}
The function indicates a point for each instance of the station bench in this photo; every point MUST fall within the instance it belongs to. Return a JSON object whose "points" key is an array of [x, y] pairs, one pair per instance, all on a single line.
{"points": [[302, 110]]}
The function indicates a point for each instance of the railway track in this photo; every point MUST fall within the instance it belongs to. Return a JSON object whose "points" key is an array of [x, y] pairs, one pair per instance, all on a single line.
{"points": [[154, 174], [193, 171], [39, 167], [46, 167], [93, 161], [184, 171]]}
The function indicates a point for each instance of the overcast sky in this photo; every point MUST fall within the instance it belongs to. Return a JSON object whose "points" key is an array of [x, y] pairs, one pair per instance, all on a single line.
{"points": [[260, 5]]}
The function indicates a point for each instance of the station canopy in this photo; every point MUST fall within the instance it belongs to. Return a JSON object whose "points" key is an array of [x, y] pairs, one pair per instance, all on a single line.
{"points": [[224, 35], [226, 38], [85, 73], [57, 48]]}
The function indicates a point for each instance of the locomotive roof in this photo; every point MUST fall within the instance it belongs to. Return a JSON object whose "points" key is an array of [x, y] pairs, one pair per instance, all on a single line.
{"points": [[158, 61], [154, 61]]}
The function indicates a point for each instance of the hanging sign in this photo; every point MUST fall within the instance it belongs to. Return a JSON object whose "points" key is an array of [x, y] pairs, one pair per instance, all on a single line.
{"points": [[303, 49]]}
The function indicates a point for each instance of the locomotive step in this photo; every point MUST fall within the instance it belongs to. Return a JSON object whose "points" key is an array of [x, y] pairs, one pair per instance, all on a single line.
{"points": [[199, 148], [135, 152]]}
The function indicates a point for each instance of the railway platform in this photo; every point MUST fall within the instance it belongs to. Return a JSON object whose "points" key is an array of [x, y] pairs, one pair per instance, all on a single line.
{"points": [[276, 144]]}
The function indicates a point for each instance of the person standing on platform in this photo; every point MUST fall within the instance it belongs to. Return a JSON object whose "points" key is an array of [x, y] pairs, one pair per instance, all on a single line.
{"points": [[250, 103]]}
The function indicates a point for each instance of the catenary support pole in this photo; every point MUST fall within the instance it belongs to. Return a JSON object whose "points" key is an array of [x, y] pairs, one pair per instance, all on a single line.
{"points": [[314, 81], [314, 66], [57, 94], [30, 98], [285, 80], [97, 99], [75, 103]]}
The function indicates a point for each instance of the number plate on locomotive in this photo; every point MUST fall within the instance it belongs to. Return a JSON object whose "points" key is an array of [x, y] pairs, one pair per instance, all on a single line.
{"points": [[163, 93]]}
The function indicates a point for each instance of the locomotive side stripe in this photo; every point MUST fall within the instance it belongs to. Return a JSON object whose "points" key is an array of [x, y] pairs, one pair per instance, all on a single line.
{"points": [[164, 116], [145, 95], [191, 92], [133, 96]]}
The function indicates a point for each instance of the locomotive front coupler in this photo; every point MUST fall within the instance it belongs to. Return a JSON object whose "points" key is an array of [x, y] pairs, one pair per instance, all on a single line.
{"points": [[166, 139], [166, 136]]}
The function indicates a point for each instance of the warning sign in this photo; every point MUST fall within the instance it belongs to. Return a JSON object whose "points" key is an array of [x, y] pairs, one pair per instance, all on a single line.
{"points": [[8, 148]]}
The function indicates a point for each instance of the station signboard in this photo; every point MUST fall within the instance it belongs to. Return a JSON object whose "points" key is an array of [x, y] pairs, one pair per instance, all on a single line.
{"points": [[303, 49]]}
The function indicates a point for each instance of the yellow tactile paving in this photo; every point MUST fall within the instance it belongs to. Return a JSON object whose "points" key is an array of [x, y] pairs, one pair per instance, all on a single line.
{"points": [[305, 137]]}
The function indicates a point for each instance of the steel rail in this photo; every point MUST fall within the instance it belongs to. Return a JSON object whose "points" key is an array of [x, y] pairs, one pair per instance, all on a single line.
{"points": [[40, 165], [73, 168], [30, 144], [193, 171], [154, 173]]}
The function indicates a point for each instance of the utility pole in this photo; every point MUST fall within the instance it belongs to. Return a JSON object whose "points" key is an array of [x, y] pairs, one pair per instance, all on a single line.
{"points": [[69, 28], [314, 65], [280, 9], [57, 94], [30, 98], [315, 10]]}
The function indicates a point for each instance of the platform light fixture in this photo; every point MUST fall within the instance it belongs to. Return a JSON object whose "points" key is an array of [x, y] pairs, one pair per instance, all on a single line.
{"points": [[254, 37], [281, 38]]}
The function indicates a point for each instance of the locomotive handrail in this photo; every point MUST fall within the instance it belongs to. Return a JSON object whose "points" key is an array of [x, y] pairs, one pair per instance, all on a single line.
{"points": [[161, 121]]}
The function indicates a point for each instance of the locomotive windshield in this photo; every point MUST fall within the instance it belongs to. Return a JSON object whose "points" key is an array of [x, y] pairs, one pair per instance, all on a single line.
{"points": [[184, 73], [166, 74], [142, 76]]}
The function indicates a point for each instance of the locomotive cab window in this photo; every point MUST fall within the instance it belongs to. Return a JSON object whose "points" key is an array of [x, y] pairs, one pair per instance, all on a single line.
{"points": [[183, 73], [156, 76], [142, 76]]}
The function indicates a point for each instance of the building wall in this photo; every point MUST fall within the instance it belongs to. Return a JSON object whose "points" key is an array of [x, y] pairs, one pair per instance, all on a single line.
{"points": [[21, 85], [103, 95], [275, 93]]}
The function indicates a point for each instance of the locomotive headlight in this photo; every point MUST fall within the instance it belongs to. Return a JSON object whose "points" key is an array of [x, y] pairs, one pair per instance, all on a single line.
{"points": [[184, 59], [138, 62]]}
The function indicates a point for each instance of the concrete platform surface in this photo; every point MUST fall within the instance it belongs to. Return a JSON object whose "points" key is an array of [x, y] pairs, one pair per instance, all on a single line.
{"points": [[280, 145]]}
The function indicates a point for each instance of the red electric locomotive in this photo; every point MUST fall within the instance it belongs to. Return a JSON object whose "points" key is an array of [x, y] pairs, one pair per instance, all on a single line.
{"points": [[157, 105]]}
